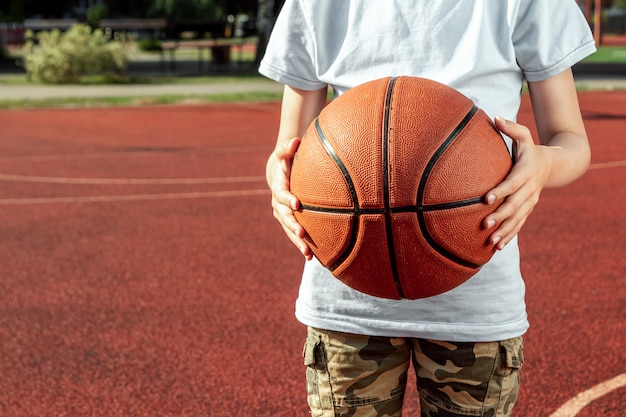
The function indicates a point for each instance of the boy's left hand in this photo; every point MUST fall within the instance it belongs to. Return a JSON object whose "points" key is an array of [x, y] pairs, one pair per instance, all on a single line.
{"points": [[521, 188]]}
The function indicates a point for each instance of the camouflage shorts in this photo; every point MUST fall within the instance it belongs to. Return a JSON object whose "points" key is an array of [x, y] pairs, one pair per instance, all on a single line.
{"points": [[353, 375]]}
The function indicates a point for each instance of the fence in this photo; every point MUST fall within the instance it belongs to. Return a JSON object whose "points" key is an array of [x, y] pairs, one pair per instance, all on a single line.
{"points": [[11, 34]]}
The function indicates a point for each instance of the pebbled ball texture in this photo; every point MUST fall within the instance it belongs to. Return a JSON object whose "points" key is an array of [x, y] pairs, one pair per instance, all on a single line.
{"points": [[391, 177]]}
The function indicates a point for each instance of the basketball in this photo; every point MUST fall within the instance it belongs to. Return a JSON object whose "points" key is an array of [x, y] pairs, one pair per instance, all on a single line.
{"points": [[392, 177]]}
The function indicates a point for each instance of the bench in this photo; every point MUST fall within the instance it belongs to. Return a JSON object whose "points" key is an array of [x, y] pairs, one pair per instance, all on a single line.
{"points": [[220, 51], [11, 34], [211, 36], [38, 25], [134, 24]]}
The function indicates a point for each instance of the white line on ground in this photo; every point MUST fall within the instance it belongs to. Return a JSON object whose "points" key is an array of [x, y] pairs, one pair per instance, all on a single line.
{"points": [[131, 153], [127, 181], [580, 401], [131, 197], [613, 164]]}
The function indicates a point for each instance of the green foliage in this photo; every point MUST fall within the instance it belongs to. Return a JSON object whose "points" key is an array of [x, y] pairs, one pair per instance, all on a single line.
{"points": [[16, 10], [609, 54], [66, 57], [12, 11], [620, 4], [149, 45], [187, 9], [4, 55], [95, 13]]}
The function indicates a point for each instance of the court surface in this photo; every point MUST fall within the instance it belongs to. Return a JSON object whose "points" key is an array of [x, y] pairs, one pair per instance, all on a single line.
{"points": [[142, 272]]}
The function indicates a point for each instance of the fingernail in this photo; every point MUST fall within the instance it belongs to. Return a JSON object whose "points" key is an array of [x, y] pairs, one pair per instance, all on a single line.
{"points": [[491, 223], [501, 119], [293, 204], [491, 198], [495, 240]]}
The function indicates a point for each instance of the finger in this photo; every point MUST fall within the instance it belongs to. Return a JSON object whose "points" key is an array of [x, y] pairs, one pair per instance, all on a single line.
{"points": [[510, 218], [517, 132], [509, 229], [511, 185], [294, 231], [301, 244], [288, 150], [298, 241], [522, 138], [284, 214], [281, 188], [284, 202], [283, 196]]}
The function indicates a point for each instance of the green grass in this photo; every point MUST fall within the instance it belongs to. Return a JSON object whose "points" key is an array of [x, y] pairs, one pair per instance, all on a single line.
{"points": [[248, 73], [616, 54], [20, 79], [74, 102], [13, 79], [184, 53], [170, 79], [609, 54]]}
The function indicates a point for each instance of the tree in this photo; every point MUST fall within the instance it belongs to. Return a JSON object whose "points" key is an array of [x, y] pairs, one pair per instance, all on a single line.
{"points": [[125, 8], [186, 9], [96, 13], [17, 10]]}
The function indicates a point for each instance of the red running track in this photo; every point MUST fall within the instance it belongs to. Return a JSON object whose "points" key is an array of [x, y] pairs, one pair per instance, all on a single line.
{"points": [[142, 272]]}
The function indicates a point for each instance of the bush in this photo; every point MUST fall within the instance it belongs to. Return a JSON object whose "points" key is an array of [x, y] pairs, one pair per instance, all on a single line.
{"points": [[58, 57], [4, 55], [149, 45], [95, 13]]}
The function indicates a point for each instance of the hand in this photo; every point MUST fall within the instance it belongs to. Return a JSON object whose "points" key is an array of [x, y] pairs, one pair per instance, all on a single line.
{"points": [[521, 188], [283, 201]]}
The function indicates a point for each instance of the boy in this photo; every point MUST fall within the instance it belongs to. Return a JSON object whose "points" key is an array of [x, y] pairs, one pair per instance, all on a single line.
{"points": [[466, 344]]}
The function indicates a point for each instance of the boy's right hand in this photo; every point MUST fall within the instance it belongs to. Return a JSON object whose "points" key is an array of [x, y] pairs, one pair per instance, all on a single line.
{"points": [[278, 172]]}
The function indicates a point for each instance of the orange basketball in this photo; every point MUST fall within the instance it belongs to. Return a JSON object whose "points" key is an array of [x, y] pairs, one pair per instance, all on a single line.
{"points": [[392, 177]]}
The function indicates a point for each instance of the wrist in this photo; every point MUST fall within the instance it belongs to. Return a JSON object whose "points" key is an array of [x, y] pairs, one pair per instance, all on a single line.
{"points": [[564, 164]]}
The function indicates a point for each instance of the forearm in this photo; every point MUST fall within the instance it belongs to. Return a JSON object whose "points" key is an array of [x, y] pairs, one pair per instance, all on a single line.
{"points": [[299, 109], [561, 130], [562, 156]]}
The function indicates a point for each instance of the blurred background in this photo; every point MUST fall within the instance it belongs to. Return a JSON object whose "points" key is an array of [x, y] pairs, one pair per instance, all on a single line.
{"points": [[112, 41], [220, 33]]}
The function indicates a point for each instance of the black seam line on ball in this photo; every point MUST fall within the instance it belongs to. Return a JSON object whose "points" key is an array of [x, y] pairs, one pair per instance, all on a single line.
{"points": [[341, 210], [388, 212], [453, 204], [355, 221], [422, 186], [402, 209]]}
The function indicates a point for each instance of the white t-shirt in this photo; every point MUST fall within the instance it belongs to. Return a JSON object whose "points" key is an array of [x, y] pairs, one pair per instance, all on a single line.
{"points": [[483, 48]]}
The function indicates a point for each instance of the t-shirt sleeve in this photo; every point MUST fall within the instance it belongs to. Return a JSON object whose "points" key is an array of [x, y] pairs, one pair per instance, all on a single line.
{"points": [[550, 36], [289, 57]]}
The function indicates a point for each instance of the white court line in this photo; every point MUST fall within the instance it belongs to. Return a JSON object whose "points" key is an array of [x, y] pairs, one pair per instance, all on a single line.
{"points": [[580, 401], [131, 197], [125, 153], [158, 181], [601, 165], [127, 181]]}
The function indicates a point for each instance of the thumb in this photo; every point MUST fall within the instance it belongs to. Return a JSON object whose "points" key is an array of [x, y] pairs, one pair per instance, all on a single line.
{"points": [[288, 150], [518, 133], [293, 144]]}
